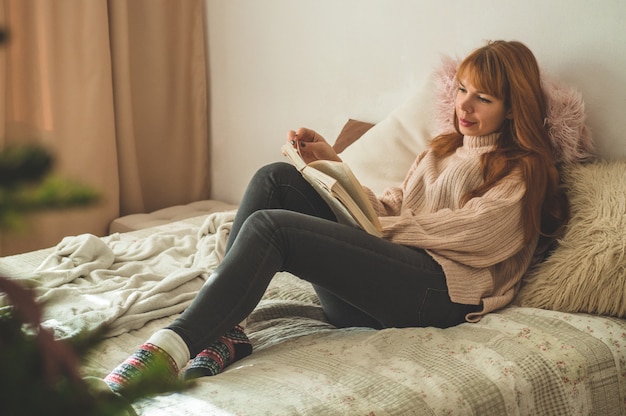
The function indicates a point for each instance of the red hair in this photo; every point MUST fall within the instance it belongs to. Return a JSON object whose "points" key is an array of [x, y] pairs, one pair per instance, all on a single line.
{"points": [[509, 71]]}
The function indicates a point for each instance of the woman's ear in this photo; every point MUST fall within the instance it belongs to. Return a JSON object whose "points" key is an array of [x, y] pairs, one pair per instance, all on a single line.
{"points": [[509, 114]]}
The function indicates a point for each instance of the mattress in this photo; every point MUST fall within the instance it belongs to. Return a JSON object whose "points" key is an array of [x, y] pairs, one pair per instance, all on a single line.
{"points": [[517, 361]]}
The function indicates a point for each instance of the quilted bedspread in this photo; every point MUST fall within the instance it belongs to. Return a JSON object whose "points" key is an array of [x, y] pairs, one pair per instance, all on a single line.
{"points": [[518, 361]]}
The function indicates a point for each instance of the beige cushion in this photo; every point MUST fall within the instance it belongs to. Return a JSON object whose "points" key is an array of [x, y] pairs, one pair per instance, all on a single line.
{"points": [[166, 215], [587, 270]]}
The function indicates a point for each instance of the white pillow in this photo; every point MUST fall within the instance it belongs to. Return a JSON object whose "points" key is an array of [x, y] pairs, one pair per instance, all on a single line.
{"points": [[384, 154]]}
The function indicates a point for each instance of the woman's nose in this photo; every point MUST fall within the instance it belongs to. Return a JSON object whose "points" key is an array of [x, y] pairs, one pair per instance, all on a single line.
{"points": [[465, 106]]}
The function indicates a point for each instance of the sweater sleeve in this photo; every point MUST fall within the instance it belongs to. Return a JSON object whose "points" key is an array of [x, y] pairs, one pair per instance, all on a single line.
{"points": [[485, 231], [390, 202]]}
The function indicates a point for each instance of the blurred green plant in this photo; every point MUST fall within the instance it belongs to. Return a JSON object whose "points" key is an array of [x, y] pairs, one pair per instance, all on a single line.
{"points": [[41, 375], [27, 186], [38, 373]]}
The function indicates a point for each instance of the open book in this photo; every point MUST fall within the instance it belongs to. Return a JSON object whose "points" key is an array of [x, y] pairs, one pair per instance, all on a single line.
{"points": [[336, 183]]}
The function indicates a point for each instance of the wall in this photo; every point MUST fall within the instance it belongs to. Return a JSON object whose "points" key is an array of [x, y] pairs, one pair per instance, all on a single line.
{"points": [[281, 64]]}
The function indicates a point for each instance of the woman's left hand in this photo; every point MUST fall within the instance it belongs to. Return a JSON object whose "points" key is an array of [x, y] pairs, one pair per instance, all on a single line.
{"points": [[311, 145]]}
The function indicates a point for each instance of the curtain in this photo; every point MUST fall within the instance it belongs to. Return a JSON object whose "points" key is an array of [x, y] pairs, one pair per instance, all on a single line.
{"points": [[117, 90]]}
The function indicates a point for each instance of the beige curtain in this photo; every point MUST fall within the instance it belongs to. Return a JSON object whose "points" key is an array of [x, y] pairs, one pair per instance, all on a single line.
{"points": [[117, 90]]}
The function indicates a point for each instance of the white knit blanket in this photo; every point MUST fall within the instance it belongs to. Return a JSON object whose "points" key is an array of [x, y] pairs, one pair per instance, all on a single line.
{"points": [[123, 281]]}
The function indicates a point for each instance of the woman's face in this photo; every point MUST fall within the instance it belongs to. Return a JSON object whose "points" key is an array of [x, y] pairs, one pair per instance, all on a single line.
{"points": [[478, 113]]}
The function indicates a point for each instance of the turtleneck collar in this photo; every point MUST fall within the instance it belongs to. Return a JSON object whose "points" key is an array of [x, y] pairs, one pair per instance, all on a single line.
{"points": [[478, 143]]}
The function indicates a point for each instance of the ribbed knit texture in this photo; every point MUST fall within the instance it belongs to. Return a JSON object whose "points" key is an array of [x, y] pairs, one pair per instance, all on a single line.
{"points": [[149, 358], [480, 245], [173, 344], [233, 346]]}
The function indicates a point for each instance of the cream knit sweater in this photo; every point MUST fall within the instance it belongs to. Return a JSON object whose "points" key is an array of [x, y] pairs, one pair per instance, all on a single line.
{"points": [[479, 245]]}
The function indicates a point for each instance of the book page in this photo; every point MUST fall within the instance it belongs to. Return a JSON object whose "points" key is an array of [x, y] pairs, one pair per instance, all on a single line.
{"points": [[294, 156], [337, 185], [342, 173]]}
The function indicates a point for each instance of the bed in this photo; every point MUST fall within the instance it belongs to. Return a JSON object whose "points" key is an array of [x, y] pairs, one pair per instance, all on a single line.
{"points": [[559, 349]]}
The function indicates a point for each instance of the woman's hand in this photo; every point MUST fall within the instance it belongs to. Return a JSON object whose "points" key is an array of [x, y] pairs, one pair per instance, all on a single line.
{"points": [[311, 145]]}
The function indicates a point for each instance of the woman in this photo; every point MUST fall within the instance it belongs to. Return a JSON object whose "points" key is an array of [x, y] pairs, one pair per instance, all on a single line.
{"points": [[457, 235]]}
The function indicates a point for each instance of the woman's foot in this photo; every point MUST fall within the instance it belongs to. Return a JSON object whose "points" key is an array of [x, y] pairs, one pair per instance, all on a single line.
{"points": [[148, 362], [233, 346]]}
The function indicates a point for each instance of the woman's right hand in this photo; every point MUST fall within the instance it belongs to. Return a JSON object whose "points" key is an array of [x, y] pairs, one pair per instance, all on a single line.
{"points": [[311, 145]]}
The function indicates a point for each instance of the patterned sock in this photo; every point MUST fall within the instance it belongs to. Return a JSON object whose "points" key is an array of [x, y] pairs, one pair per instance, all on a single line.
{"points": [[233, 346], [149, 358]]}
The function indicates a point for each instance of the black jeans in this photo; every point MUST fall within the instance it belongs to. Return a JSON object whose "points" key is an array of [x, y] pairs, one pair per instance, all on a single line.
{"points": [[282, 224]]}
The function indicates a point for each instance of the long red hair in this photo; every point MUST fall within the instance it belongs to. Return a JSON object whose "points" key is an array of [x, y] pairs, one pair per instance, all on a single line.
{"points": [[509, 71]]}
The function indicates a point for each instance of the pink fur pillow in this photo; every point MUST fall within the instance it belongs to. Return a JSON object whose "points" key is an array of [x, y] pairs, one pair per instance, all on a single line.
{"points": [[571, 138]]}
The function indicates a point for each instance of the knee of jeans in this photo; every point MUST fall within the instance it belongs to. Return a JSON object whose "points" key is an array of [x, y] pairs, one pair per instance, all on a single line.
{"points": [[271, 176], [266, 225], [259, 220], [273, 170]]}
